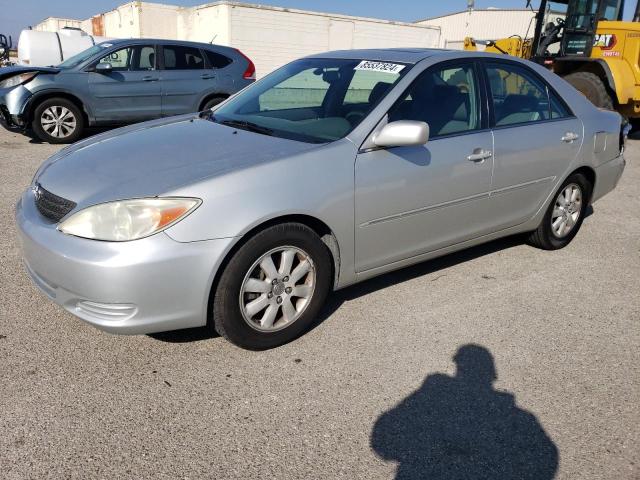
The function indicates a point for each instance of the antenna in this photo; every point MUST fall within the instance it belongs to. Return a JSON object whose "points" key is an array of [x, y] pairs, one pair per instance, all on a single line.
{"points": [[214, 37]]}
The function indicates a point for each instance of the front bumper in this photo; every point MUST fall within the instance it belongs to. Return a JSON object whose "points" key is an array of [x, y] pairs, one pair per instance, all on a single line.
{"points": [[150, 285], [12, 107]]}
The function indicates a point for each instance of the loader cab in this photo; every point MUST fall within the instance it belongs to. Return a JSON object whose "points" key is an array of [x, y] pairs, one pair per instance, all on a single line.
{"points": [[567, 28], [582, 21]]}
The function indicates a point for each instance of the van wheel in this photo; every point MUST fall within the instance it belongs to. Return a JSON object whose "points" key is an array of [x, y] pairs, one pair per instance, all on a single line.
{"points": [[592, 87], [565, 214], [58, 120], [273, 287]]}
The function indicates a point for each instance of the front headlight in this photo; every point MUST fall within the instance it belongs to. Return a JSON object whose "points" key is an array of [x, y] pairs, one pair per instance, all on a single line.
{"points": [[16, 80], [128, 219]]}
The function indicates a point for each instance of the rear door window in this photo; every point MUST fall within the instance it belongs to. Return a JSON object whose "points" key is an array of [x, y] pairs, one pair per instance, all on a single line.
{"points": [[177, 57], [519, 96]]}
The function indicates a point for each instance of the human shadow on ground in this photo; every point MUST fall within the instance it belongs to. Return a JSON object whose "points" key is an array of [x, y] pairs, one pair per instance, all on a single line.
{"points": [[460, 427]]}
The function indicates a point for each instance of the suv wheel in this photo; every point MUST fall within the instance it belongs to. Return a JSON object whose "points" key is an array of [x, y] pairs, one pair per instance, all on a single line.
{"points": [[212, 102], [58, 120]]}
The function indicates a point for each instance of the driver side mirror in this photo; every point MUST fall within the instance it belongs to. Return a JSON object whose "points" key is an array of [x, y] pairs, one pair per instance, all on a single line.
{"points": [[104, 67], [402, 133]]}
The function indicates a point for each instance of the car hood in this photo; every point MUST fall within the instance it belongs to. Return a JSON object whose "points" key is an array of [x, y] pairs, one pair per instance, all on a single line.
{"points": [[153, 158], [7, 72]]}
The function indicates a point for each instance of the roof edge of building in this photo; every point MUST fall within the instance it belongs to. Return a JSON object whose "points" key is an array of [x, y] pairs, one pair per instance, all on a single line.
{"points": [[233, 3], [476, 10]]}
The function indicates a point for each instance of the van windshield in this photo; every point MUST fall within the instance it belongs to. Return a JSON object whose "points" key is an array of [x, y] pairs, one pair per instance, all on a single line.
{"points": [[83, 56], [312, 100]]}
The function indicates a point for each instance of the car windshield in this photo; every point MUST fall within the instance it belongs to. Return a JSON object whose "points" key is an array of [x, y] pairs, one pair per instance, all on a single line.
{"points": [[83, 56], [312, 100]]}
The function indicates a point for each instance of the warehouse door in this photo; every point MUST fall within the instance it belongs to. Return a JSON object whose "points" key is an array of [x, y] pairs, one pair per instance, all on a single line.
{"points": [[340, 35]]}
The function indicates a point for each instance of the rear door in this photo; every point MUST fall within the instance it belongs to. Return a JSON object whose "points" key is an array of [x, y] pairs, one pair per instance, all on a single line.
{"points": [[184, 78], [131, 91], [535, 139]]}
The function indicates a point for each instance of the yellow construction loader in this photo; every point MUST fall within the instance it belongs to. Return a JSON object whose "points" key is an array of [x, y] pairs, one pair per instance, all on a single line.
{"points": [[587, 43]]}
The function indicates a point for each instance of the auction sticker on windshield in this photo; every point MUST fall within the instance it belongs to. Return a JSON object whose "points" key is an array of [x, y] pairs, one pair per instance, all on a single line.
{"points": [[379, 66]]}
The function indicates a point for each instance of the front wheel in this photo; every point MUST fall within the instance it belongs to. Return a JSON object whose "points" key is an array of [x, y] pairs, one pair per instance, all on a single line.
{"points": [[273, 287], [564, 216], [57, 120]]}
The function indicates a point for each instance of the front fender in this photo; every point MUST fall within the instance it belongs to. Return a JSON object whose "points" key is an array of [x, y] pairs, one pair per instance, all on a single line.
{"points": [[618, 72], [41, 94]]}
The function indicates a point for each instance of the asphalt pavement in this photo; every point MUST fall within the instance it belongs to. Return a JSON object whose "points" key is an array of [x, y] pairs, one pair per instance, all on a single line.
{"points": [[547, 346]]}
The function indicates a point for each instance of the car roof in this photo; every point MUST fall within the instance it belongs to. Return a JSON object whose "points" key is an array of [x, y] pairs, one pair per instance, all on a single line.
{"points": [[135, 41], [408, 55], [404, 55]]}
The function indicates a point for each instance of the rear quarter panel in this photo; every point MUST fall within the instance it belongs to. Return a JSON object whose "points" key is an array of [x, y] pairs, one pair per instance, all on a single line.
{"points": [[601, 141]]}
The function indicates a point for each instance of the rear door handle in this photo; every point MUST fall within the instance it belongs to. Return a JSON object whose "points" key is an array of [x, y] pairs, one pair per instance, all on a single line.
{"points": [[570, 137], [207, 76], [149, 78], [479, 155]]}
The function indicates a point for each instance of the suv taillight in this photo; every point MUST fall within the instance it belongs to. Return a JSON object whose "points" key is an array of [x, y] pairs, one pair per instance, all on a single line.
{"points": [[250, 72]]}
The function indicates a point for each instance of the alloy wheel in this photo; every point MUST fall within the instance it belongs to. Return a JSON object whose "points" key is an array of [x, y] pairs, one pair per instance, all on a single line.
{"points": [[272, 298], [566, 211], [58, 121]]}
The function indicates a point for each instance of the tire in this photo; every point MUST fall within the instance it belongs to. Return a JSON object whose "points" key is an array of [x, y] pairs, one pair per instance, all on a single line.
{"points": [[249, 327], [52, 109], [592, 87], [546, 236], [212, 102]]}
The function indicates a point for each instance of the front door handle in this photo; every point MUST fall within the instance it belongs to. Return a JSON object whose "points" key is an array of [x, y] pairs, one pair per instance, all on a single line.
{"points": [[479, 155], [149, 78], [570, 137]]}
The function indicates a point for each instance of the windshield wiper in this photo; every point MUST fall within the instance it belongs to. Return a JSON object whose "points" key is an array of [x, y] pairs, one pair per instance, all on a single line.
{"points": [[250, 126]]}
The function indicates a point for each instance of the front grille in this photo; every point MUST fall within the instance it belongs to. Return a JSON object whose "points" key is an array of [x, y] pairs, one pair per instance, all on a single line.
{"points": [[52, 206]]}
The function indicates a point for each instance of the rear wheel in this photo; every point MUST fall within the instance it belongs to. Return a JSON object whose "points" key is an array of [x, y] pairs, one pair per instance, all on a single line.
{"points": [[592, 87], [273, 287], [212, 102], [58, 120], [564, 216]]}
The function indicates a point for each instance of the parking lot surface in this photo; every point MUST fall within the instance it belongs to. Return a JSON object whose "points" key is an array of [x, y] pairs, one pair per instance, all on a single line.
{"points": [[371, 392]]}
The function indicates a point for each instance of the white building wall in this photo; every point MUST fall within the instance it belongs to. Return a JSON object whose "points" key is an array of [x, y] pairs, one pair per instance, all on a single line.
{"points": [[158, 20], [272, 39], [206, 23], [270, 36], [122, 22], [273, 36], [482, 25]]}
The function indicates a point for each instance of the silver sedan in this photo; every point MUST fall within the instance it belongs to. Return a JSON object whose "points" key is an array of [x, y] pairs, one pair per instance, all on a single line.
{"points": [[333, 169]]}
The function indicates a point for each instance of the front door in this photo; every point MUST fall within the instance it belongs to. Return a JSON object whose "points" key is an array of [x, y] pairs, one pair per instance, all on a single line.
{"points": [[535, 139], [412, 200], [130, 92]]}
